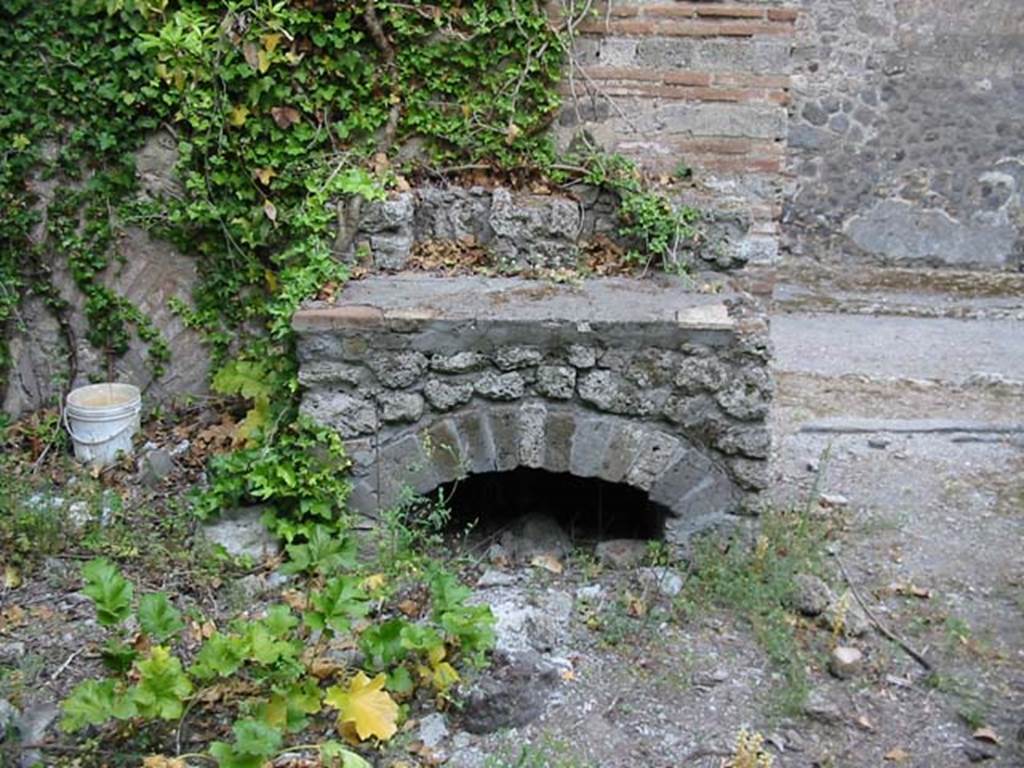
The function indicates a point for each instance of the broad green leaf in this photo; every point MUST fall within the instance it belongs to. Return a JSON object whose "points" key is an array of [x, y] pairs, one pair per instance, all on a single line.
{"points": [[109, 590], [158, 618], [221, 656], [340, 602], [324, 552], [162, 687], [90, 703], [255, 738]]}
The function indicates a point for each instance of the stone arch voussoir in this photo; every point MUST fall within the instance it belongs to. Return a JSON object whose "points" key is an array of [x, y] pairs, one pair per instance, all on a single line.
{"points": [[696, 491]]}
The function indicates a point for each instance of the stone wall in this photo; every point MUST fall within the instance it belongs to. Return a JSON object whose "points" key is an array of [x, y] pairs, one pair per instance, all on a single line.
{"points": [[642, 382], [146, 271], [906, 134]]}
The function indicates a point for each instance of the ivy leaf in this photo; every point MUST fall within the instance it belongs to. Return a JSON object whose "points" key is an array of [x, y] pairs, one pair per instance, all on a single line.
{"points": [[238, 115], [333, 754], [162, 687], [109, 590], [158, 618], [265, 175], [366, 706], [270, 41]]}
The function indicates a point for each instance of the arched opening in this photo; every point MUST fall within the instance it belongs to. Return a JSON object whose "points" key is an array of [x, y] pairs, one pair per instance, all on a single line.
{"points": [[588, 509]]}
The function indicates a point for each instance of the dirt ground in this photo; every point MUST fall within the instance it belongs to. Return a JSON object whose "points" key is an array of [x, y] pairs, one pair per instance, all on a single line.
{"points": [[910, 427]]}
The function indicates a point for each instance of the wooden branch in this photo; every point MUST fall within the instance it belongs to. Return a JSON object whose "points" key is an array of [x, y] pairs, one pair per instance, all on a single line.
{"points": [[888, 634]]}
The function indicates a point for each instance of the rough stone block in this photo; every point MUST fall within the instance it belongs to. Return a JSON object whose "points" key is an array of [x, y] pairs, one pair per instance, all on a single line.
{"points": [[505, 386], [655, 452], [460, 362], [559, 431], [400, 406], [351, 416], [556, 381], [398, 370], [444, 396], [474, 429], [514, 358], [532, 417], [589, 445], [581, 356]]}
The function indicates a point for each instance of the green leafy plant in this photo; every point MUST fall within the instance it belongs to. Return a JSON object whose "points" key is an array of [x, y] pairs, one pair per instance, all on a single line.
{"points": [[277, 662]]}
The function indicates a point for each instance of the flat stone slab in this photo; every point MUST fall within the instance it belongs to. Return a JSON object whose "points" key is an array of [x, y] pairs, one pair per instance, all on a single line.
{"points": [[415, 296]]}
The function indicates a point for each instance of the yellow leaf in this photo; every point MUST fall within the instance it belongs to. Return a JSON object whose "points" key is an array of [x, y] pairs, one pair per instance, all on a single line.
{"points": [[270, 42], [547, 562], [270, 278], [374, 582], [276, 713], [270, 209], [12, 577], [254, 420], [262, 61], [512, 133], [445, 676], [264, 175], [238, 115], [366, 706], [159, 761], [896, 755]]}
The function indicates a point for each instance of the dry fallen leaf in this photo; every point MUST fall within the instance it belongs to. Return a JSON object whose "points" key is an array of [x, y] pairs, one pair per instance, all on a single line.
{"points": [[270, 209], [285, 117], [987, 734], [865, 724], [897, 755], [548, 563]]}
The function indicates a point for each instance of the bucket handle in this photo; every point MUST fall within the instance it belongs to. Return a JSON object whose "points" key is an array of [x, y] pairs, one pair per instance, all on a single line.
{"points": [[86, 441]]}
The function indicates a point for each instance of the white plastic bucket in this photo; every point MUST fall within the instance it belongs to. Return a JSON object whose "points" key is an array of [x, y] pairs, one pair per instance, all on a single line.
{"points": [[101, 419]]}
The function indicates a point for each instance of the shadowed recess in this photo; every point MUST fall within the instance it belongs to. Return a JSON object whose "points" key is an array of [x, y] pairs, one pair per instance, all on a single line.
{"points": [[588, 509]]}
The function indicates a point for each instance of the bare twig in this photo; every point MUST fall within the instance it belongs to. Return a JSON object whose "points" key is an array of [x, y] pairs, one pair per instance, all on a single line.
{"points": [[885, 631], [66, 664]]}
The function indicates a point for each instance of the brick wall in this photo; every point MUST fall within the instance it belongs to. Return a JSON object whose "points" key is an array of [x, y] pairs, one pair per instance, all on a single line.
{"points": [[703, 85]]}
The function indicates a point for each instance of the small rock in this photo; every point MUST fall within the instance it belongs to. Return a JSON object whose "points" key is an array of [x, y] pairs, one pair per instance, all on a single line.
{"points": [[492, 577], [180, 448], [241, 533], [433, 730], [8, 717], [534, 535], [514, 692], [709, 679], [976, 754], [879, 442], [819, 707], [32, 727], [155, 466], [12, 652], [591, 592], [498, 555], [844, 613], [845, 662], [811, 596], [665, 580], [621, 553], [833, 500]]}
